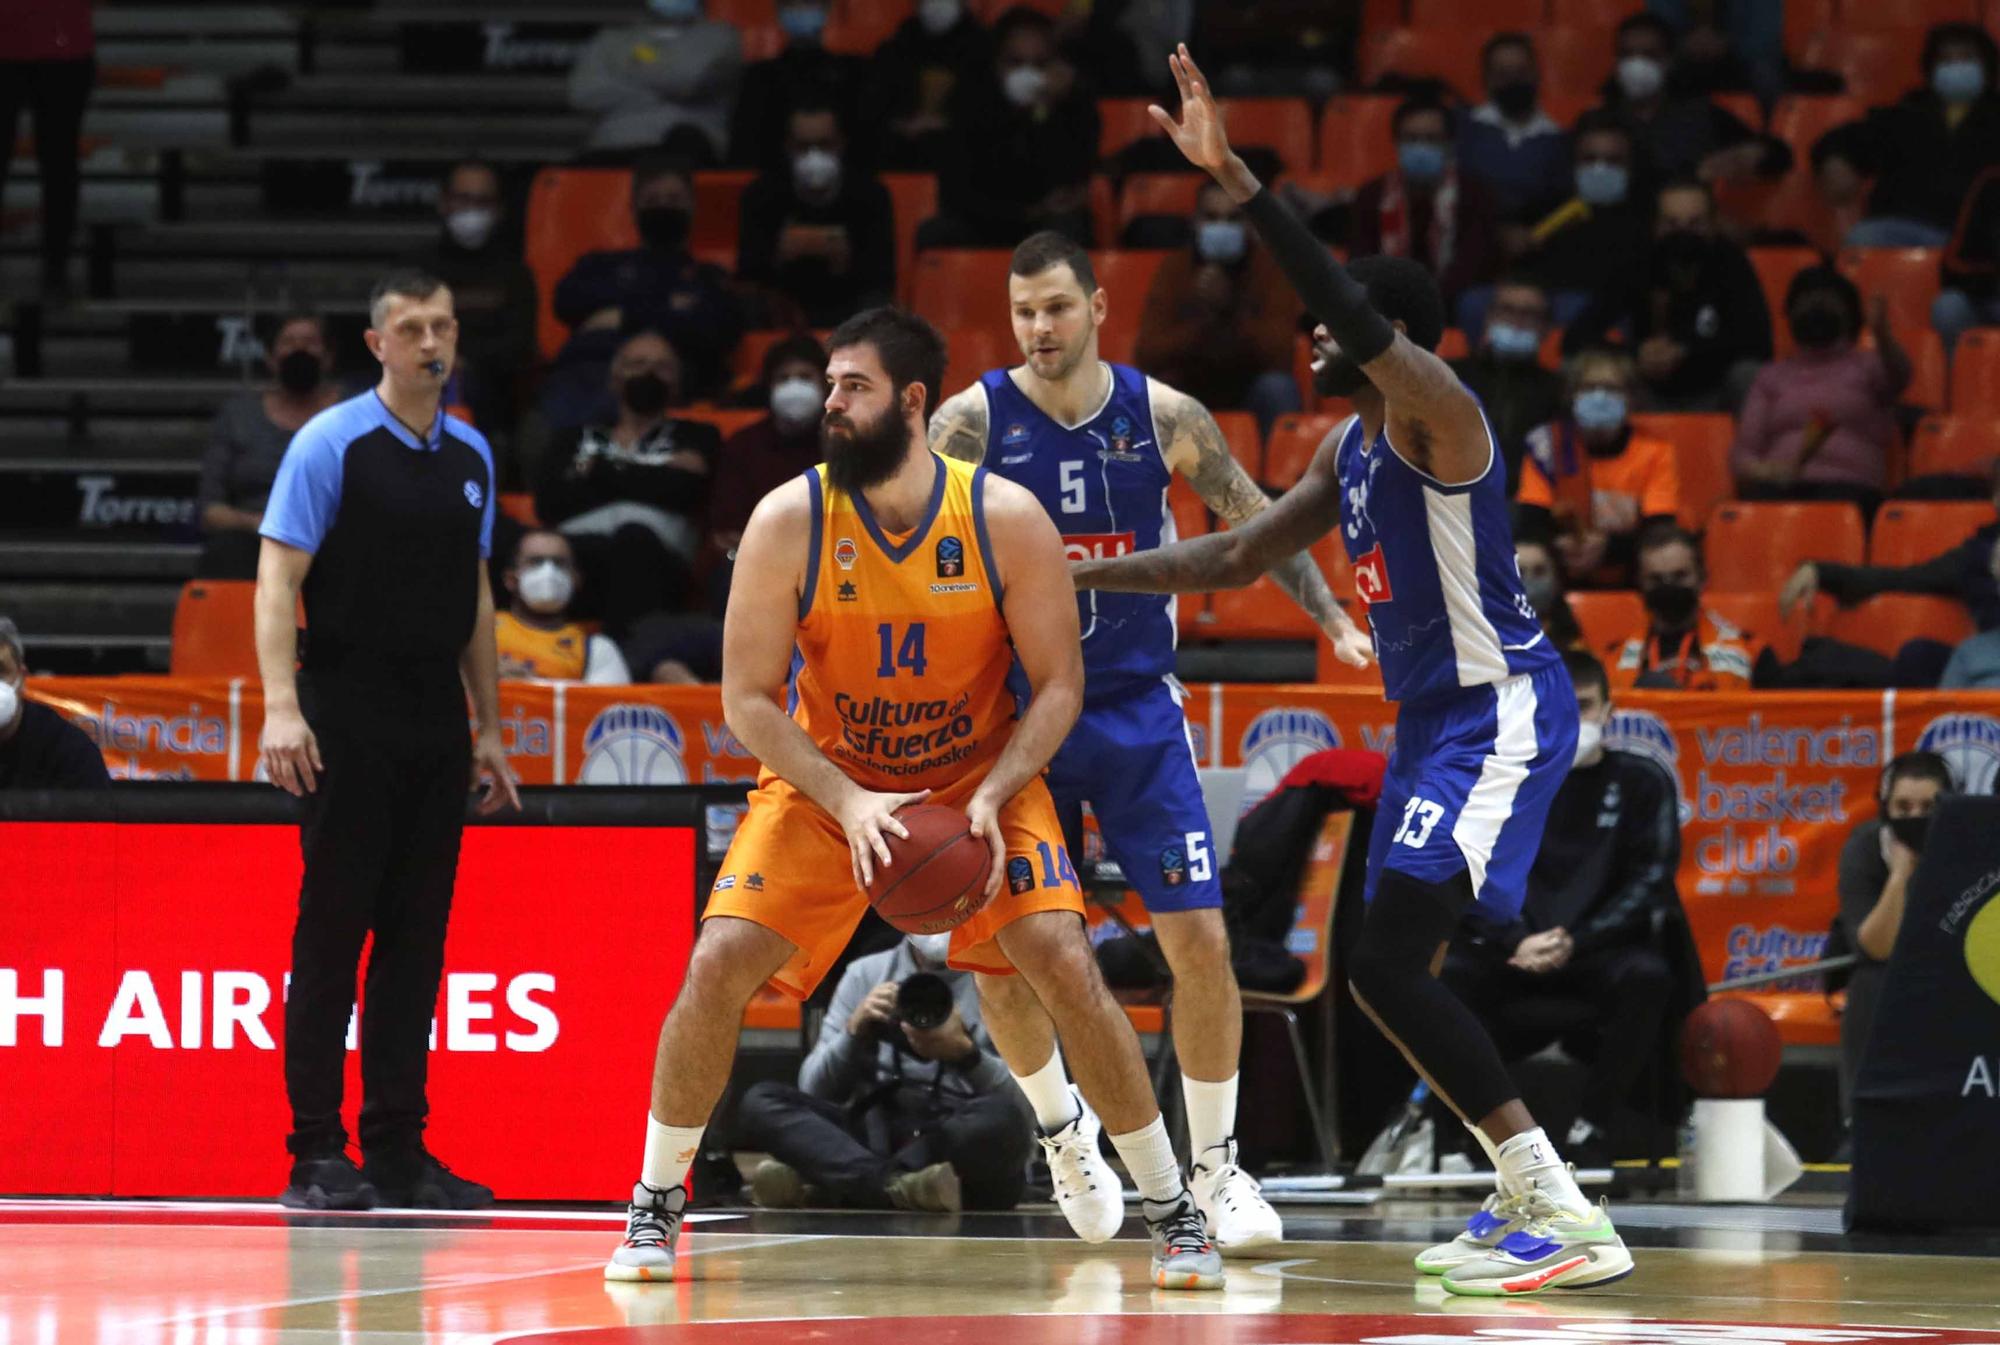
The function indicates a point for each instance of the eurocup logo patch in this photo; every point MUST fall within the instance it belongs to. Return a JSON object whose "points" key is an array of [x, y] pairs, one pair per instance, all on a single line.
{"points": [[1020, 874], [1278, 740], [1173, 866], [950, 558], [845, 553], [630, 744], [1645, 734], [1970, 745], [474, 496]]}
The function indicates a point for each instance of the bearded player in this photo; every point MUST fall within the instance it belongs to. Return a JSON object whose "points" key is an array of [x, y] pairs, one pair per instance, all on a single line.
{"points": [[886, 596], [1487, 724], [1098, 445]]}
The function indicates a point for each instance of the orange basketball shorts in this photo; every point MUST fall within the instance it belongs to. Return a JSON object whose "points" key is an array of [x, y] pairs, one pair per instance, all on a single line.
{"points": [[788, 870]]}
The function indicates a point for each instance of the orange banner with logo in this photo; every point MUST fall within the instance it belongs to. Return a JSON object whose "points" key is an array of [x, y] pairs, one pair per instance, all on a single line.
{"points": [[1770, 784]]}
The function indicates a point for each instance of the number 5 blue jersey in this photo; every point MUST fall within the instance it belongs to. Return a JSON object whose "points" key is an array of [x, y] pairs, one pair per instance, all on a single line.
{"points": [[1435, 566], [1104, 482]]}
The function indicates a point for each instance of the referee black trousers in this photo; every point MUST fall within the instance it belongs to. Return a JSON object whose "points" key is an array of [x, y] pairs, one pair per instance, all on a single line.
{"points": [[380, 836]]}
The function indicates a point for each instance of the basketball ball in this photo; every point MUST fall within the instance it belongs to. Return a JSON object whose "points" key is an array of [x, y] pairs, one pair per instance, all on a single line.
{"points": [[936, 879], [1730, 1049]]}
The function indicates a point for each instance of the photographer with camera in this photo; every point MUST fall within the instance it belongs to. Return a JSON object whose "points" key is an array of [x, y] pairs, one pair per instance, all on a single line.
{"points": [[902, 1104]]}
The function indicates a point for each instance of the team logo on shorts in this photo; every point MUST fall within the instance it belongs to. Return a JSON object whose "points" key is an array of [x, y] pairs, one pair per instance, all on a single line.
{"points": [[950, 558], [754, 883], [1970, 745], [1173, 866], [845, 553], [1020, 874], [725, 882], [474, 496]]}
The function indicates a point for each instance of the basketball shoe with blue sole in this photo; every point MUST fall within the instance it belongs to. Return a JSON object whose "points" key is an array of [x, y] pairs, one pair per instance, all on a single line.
{"points": [[1492, 1221], [1555, 1249]]}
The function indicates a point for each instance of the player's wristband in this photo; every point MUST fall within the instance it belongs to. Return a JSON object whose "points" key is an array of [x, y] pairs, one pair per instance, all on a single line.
{"points": [[1329, 293]]}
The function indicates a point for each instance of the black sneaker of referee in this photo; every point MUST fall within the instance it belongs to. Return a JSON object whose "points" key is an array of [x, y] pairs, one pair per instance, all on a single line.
{"points": [[415, 1179], [329, 1182]]}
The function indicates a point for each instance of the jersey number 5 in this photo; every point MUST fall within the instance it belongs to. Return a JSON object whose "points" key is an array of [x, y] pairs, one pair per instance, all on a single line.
{"points": [[910, 654], [1419, 817], [1072, 487]]}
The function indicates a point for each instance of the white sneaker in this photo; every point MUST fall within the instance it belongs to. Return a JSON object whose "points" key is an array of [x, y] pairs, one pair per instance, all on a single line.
{"points": [[1239, 1219], [1087, 1190], [1492, 1221], [1556, 1249], [652, 1226]]}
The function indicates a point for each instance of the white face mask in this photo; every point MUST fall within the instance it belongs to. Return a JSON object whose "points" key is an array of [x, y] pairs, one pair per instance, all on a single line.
{"points": [[10, 703], [471, 228], [1024, 84], [931, 947], [1589, 742], [795, 403], [546, 586], [1641, 76], [816, 170], [938, 16]]}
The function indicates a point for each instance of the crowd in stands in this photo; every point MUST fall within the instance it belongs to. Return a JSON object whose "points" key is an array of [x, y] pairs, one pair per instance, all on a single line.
{"points": [[1677, 241]]}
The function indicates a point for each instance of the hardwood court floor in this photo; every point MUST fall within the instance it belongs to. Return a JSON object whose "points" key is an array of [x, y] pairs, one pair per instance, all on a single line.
{"points": [[104, 1271]]}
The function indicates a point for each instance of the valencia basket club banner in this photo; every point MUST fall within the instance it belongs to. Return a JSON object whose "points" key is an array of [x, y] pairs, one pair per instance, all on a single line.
{"points": [[1769, 783]]}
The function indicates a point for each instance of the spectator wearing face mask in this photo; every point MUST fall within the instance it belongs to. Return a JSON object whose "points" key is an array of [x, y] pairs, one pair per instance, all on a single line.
{"points": [[663, 82], [803, 74], [657, 285], [39, 749], [1974, 665], [820, 232], [479, 257], [1505, 371], [1876, 865], [1679, 130], [1022, 147], [1219, 318], [1424, 208], [248, 440], [1684, 647], [913, 77], [627, 494], [1509, 145], [535, 634], [1820, 424], [1541, 580], [1695, 316], [1970, 269], [1586, 246], [765, 454], [1923, 151], [1589, 483]]}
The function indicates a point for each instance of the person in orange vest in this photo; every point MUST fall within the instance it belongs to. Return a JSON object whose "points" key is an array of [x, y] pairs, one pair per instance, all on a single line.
{"points": [[536, 636], [1684, 647]]}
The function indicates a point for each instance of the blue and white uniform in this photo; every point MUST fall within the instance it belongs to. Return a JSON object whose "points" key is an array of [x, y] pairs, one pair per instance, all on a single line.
{"points": [[1487, 725], [1104, 482]]}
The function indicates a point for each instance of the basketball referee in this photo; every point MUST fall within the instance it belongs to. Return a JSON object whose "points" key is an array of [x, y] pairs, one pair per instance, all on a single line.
{"points": [[381, 515]]}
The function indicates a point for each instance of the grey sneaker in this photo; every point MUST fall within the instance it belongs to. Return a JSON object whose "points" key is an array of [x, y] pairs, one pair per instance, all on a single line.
{"points": [[934, 1189], [1183, 1257], [652, 1226], [777, 1186]]}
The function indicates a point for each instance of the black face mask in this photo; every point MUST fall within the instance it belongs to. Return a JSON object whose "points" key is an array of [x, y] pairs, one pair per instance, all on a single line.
{"points": [[300, 372], [664, 227], [1671, 604], [1515, 99], [1338, 376], [1681, 250], [646, 394], [1817, 327], [1911, 831]]}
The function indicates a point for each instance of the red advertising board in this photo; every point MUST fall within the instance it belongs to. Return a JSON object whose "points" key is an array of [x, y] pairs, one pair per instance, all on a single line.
{"points": [[143, 969]]}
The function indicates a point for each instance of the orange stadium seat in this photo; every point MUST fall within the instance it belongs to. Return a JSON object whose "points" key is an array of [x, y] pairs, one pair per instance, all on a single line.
{"points": [[1190, 511], [1607, 616], [1804, 1017], [1239, 430], [1775, 267], [1576, 59], [1880, 65], [726, 419], [962, 287], [1804, 20], [572, 211], [1906, 277], [718, 205], [1701, 450], [1488, 15], [1290, 449], [1593, 13], [1159, 194], [1929, 368], [1955, 446], [1355, 142], [1450, 54], [1918, 14], [1120, 121], [1753, 548], [1975, 373], [971, 351], [1259, 611], [772, 1011], [746, 362], [857, 27], [1281, 125], [1757, 614], [1125, 277], [744, 13], [912, 199], [215, 629], [1801, 120], [1453, 345], [1742, 106], [1908, 532], [1791, 205], [1889, 621], [519, 505]]}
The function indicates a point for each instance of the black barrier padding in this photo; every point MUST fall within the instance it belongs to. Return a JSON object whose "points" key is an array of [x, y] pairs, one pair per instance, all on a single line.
{"points": [[1927, 1102]]}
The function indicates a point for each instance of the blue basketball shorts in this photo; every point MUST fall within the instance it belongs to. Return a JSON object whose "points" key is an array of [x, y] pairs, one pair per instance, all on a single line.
{"points": [[1469, 787], [1131, 759]]}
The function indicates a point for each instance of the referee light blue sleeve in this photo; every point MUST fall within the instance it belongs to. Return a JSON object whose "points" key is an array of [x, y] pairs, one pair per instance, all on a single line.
{"points": [[305, 497], [488, 505]]}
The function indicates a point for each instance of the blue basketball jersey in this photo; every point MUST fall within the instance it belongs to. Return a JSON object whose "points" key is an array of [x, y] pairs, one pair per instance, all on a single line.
{"points": [[1435, 566], [1104, 482]]}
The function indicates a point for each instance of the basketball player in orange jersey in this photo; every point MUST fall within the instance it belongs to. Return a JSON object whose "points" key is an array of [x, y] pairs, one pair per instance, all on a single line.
{"points": [[881, 600]]}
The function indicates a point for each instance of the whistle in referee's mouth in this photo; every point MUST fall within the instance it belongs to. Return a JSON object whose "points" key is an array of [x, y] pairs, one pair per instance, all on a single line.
{"points": [[435, 368]]}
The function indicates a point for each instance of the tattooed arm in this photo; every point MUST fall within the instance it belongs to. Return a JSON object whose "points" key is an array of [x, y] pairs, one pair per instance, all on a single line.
{"points": [[958, 426], [1194, 447]]}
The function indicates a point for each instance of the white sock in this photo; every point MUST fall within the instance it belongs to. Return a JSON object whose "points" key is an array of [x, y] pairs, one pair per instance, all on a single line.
{"points": [[1149, 1157], [1211, 1112], [670, 1152], [1493, 1157], [1049, 1094], [1529, 1161]]}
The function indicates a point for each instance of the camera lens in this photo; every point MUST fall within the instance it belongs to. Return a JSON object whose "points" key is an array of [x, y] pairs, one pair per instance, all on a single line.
{"points": [[923, 1001]]}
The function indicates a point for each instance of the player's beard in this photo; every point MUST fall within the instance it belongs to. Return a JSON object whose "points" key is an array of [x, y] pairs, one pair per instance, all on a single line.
{"points": [[866, 455], [1066, 361], [1338, 376]]}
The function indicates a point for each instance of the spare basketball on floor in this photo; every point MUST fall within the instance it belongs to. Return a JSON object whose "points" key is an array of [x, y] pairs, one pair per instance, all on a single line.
{"points": [[936, 879], [1730, 1049]]}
